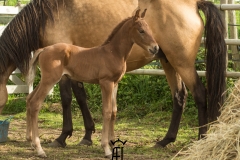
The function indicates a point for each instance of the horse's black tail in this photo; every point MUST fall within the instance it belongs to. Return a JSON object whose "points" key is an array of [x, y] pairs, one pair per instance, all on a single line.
{"points": [[22, 35], [216, 57]]}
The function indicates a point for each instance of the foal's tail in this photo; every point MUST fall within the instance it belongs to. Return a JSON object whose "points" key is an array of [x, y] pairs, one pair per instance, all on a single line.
{"points": [[32, 67], [216, 57]]}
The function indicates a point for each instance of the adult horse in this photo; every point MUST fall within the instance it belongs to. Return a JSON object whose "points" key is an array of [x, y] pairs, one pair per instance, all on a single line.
{"points": [[177, 28]]}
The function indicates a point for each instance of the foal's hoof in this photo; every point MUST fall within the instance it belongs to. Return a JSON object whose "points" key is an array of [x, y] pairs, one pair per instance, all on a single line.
{"points": [[85, 142], [42, 155], [55, 144], [108, 156]]}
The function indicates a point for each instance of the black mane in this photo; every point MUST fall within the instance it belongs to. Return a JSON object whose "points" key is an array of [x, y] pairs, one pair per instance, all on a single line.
{"points": [[21, 36]]}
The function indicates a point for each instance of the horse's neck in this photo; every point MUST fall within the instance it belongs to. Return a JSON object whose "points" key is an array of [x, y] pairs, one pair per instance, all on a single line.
{"points": [[122, 43]]}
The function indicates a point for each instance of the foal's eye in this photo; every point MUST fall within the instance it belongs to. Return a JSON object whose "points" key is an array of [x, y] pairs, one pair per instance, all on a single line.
{"points": [[141, 31]]}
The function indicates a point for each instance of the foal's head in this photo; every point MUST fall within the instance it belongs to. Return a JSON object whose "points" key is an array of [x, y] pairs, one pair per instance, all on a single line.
{"points": [[142, 35]]}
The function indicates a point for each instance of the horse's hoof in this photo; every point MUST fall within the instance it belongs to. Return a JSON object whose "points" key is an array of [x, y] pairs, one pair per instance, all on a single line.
{"points": [[85, 142], [108, 156], [163, 143], [55, 144], [157, 145]]}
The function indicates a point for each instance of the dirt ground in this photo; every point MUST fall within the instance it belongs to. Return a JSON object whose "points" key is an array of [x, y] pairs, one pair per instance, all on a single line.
{"points": [[18, 148]]}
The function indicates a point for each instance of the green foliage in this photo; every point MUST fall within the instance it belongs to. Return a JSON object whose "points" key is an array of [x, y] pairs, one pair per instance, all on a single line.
{"points": [[14, 2], [16, 104], [11, 2]]}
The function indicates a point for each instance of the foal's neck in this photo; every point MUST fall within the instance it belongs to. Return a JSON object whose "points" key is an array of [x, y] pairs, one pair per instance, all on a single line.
{"points": [[121, 43]]}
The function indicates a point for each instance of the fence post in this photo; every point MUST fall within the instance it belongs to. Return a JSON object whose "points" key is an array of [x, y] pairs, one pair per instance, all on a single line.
{"points": [[233, 35]]}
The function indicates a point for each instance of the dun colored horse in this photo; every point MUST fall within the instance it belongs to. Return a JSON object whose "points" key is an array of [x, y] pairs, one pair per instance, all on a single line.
{"points": [[104, 65], [177, 28]]}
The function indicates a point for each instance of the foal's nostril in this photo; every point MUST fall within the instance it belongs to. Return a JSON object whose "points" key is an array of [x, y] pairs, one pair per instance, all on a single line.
{"points": [[156, 48]]}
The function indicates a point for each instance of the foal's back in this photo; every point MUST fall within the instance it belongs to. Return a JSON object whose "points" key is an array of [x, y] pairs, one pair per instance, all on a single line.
{"points": [[78, 63]]}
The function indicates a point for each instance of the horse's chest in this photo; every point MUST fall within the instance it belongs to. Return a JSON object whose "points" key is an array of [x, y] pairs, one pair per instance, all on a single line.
{"points": [[118, 73]]}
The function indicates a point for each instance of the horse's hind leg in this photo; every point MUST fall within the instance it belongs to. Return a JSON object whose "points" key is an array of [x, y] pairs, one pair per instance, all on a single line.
{"points": [[179, 95], [66, 97], [81, 97], [189, 76]]}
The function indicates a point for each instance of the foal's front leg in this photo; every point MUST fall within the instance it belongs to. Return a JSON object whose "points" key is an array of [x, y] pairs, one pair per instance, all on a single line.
{"points": [[114, 115], [107, 90]]}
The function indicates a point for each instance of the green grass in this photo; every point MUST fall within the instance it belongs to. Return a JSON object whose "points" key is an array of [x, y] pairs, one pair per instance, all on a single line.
{"points": [[140, 133]]}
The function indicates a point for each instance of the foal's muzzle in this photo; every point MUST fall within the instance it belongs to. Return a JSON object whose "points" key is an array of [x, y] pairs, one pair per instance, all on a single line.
{"points": [[154, 49]]}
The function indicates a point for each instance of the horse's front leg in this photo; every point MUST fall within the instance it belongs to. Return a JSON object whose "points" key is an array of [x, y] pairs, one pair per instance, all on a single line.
{"points": [[81, 97], [107, 90], [3, 92], [3, 88], [66, 97]]}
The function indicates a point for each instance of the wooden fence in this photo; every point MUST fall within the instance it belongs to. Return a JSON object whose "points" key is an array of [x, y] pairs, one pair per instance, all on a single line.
{"points": [[8, 12]]}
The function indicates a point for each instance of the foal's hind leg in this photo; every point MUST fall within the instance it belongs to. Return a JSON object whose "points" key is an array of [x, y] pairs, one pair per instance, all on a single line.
{"points": [[34, 103], [179, 95], [29, 122], [81, 97]]}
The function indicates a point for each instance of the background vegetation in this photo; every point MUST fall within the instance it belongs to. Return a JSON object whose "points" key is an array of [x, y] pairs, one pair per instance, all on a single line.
{"points": [[137, 94], [144, 112]]}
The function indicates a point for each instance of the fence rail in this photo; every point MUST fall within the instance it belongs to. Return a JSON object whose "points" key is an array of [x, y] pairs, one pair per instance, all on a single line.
{"points": [[161, 72], [228, 6]]}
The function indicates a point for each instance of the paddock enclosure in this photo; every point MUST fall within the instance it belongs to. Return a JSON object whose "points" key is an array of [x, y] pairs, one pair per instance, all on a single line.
{"points": [[137, 70]]}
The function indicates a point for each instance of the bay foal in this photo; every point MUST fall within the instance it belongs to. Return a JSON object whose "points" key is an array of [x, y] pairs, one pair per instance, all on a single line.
{"points": [[104, 65]]}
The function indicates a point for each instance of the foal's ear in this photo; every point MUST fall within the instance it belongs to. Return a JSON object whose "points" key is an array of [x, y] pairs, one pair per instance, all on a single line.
{"points": [[143, 13], [137, 14]]}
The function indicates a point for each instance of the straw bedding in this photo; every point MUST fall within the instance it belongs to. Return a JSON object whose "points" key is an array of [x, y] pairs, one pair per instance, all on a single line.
{"points": [[222, 139]]}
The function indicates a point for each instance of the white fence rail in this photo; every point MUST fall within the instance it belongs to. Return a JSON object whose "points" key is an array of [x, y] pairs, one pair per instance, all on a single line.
{"points": [[161, 72], [228, 6], [21, 87]]}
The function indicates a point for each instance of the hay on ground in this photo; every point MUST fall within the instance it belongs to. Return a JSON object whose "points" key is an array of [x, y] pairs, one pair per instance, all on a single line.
{"points": [[222, 139]]}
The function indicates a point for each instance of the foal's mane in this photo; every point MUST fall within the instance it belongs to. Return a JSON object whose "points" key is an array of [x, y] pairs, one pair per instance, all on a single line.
{"points": [[115, 31], [21, 35]]}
